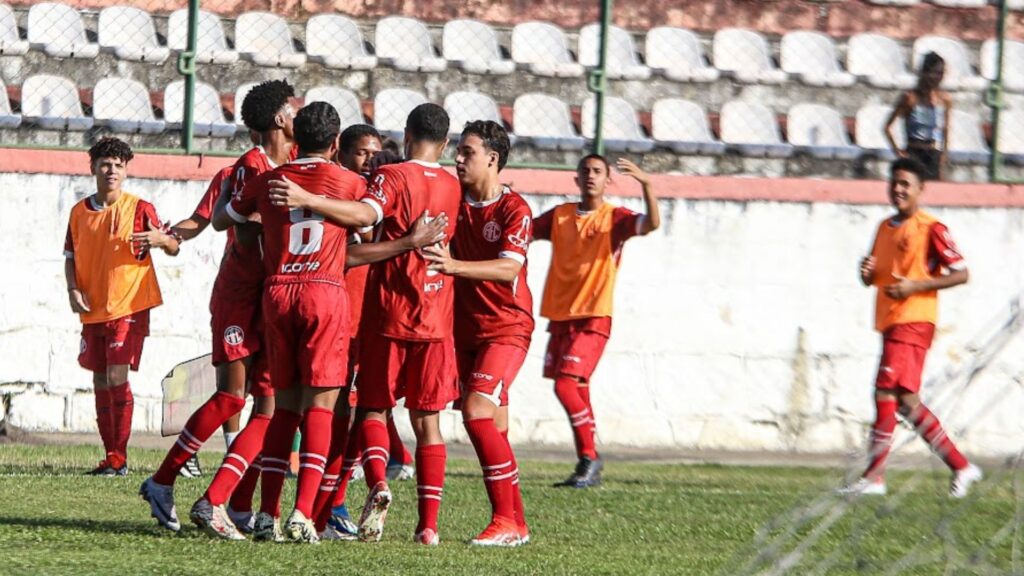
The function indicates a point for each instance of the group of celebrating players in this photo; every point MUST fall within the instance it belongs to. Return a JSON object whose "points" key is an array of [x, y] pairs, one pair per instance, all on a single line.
{"points": [[351, 272]]}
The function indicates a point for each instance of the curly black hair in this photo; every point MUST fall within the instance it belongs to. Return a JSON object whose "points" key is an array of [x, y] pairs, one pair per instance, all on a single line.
{"points": [[353, 134], [316, 126], [427, 123], [494, 136], [110, 147], [263, 102]]}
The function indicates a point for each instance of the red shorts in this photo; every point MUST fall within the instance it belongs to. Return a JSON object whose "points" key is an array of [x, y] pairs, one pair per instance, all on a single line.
{"points": [[235, 324], [574, 348], [490, 369], [307, 334], [424, 373], [259, 377], [116, 342], [904, 347]]}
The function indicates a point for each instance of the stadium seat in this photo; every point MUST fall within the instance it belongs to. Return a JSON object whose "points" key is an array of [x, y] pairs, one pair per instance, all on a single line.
{"points": [[1013, 63], [265, 39], [464, 107], [240, 94], [405, 44], [677, 54], [959, 73], [542, 49], [208, 119], [211, 44], [870, 131], [336, 42], [8, 119], [879, 61], [473, 46], [966, 139], [130, 34], [682, 126], [344, 101], [622, 62], [752, 130], [124, 106], [621, 130], [11, 43], [747, 55], [391, 107], [960, 3], [546, 121], [57, 29], [812, 57], [1011, 136], [819, 131], [52, 102]]}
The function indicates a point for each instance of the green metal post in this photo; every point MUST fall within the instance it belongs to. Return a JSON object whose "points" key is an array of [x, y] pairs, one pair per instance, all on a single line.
{"points": [[994, 95], [598, 83], [187, 68]]}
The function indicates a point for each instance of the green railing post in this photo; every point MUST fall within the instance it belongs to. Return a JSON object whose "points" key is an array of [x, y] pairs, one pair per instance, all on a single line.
{"points": [[598, 81], [994, 95], [187, 68]]}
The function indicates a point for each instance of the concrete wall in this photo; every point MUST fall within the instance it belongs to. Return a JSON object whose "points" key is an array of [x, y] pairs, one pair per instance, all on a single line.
{"points": [[740, 325]]}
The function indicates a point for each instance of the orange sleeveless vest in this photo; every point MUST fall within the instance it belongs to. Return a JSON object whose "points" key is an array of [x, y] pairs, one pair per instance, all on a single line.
{"points": [[903, 251], [581, 280]]}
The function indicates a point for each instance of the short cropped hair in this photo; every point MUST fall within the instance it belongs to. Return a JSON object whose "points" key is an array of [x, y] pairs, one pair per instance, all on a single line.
{"points": [[263, 102], [494, 136], [427, 123], [353, 134], [607, 167], [909, 165], [110, 147], [316, 125]]}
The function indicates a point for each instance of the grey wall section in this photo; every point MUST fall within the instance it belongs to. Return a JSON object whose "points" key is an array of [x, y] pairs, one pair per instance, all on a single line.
{"points": [[738, 326]]}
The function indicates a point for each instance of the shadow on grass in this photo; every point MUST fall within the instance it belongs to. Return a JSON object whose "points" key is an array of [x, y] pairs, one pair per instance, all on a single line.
{"points": [[120, 528]]}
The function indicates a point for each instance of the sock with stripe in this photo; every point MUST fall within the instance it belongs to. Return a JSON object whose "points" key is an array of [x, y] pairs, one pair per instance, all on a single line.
{"points": [[122, 407], [430, 462], [375, 451], [929, 427], [567, 390], [105, 421], [316, 443], [276, 448], [881, 438], [332, 472], [238, 462], [397, 448], [200, 426], [517, 496], [244, 493], [496, 462]]}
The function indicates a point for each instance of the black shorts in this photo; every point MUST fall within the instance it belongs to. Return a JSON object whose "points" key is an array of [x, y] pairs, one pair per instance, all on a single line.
{"points": [[931, 158]]}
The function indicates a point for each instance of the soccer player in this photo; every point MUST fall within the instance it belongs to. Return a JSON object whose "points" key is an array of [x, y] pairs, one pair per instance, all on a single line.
{"points": [[306, 313], [587, 239], [493, 316], [234, 310], [112, 286], [913, 257]]}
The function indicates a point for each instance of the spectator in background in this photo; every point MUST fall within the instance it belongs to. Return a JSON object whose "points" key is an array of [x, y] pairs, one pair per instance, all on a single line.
{"points": [[925, 111]]}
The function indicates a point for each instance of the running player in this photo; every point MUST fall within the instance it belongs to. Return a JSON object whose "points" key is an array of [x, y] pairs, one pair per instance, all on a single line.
{"points": [[112, 286], [913, 258], [587, 239], [234, 309], [493, 316]]}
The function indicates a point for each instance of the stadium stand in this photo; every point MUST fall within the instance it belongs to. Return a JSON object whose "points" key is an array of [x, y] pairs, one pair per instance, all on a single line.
{"points": [[473, 47], [746, 55], [336, 42], [209, 117], [622, 61], [464, 107], [405, 44], [1013, 63], [966, 139], [57, 30], [542, 49], [879, 61], [11, 43], [1011, 142], [818, 130], [390, 109], [240, 94], [265, 39], [344, 101], [130, 34], [751, 129], [211, 43], [52, 102], [8, 119], [812, 57], [870, 131], [678, 55], [546, 121], [124, 106], [959, 72], [682, 126], [621, 129]]}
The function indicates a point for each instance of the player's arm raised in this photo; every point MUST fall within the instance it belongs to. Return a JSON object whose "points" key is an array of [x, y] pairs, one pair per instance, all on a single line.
{"points": [[345, 213], [425, 231], [653, 220]]}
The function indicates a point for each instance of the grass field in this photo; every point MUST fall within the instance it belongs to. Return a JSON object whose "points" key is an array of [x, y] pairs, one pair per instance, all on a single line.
{"points": [[645, 519]]}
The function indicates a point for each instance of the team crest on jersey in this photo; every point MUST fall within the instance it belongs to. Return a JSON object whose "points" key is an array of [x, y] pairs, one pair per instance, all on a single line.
{"points": [[234, 336], [492, 231]]}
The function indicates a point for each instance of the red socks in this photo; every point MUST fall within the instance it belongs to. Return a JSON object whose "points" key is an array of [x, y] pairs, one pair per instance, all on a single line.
{"points": [[397, 448], [351, 458], [237, 462], [928, 426], [496, 461], [122, 406], [204, 422], [430, 461], [332, 471], [881, 438], [242, 495], [517, 496], [316, 443], [276, 448], [105, 420], [375, 452], [568, 392]]}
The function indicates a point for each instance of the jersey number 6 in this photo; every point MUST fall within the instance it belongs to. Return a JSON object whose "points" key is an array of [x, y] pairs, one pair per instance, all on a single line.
{"points": [[305, 233]]}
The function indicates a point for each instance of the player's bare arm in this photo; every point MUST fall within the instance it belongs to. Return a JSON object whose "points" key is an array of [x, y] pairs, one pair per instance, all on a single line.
{"points": [[156, 238], [79, 303], [425, 231], [903, 106], [497, 270], [653, 220], [867, 270], [342, 212], [905, 287]]}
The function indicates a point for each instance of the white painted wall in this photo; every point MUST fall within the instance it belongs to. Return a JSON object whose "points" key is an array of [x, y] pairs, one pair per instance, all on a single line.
{"points": [[739, 326]]}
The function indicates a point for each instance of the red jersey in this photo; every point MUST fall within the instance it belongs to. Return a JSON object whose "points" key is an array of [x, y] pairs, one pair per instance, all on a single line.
{"points": [[300, 245], [405, 300], [498, 228]]}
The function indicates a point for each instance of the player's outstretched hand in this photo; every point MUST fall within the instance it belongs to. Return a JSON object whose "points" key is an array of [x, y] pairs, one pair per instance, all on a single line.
{"points": [[867, 269], [79, 303], [629, 168], [903, 288], [151, 238], [426, 230], [286, 193], [439, 259]]}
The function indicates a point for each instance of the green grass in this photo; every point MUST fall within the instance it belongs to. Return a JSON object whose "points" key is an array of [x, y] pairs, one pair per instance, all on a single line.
{"points": [[645, 519]]}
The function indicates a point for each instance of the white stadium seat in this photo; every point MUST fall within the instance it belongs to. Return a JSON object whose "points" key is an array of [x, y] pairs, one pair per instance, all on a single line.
{"points": [[57, 29], [622, 62], [405, 44], [677, 54], [966, 139], [682, 126], [1013, 63], [8, 119], [812, 57], [959, 73], [621, 129], [465, 107], [211, 44], [870, 131], [473, 46], [1011, 135], [52, 102], [11, 43], [130, 34], [819, 130], [344, 101], [960, 3], [879, 61], [265, 39], [747, 55], [208, 119], [391, 108], [124, 106], [752, 129], [542, 49], [240, 94], [546, 121], [336, 42]]}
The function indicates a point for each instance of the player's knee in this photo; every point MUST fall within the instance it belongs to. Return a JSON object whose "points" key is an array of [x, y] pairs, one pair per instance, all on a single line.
{"points": [[117, 375], [477, 406], [99, 379], [263, 405]]}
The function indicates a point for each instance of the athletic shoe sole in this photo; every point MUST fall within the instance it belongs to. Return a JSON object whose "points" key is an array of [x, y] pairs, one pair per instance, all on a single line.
{"points": [[371, 525]]}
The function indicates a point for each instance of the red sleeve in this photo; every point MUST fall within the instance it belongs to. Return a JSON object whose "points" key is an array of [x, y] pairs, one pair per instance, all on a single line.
{"points": [[69, 244], [146, 218], [518, 226], [217, 186], [245, 203], [384, 193], [625, 223], [542, 225], [942, 251]]}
